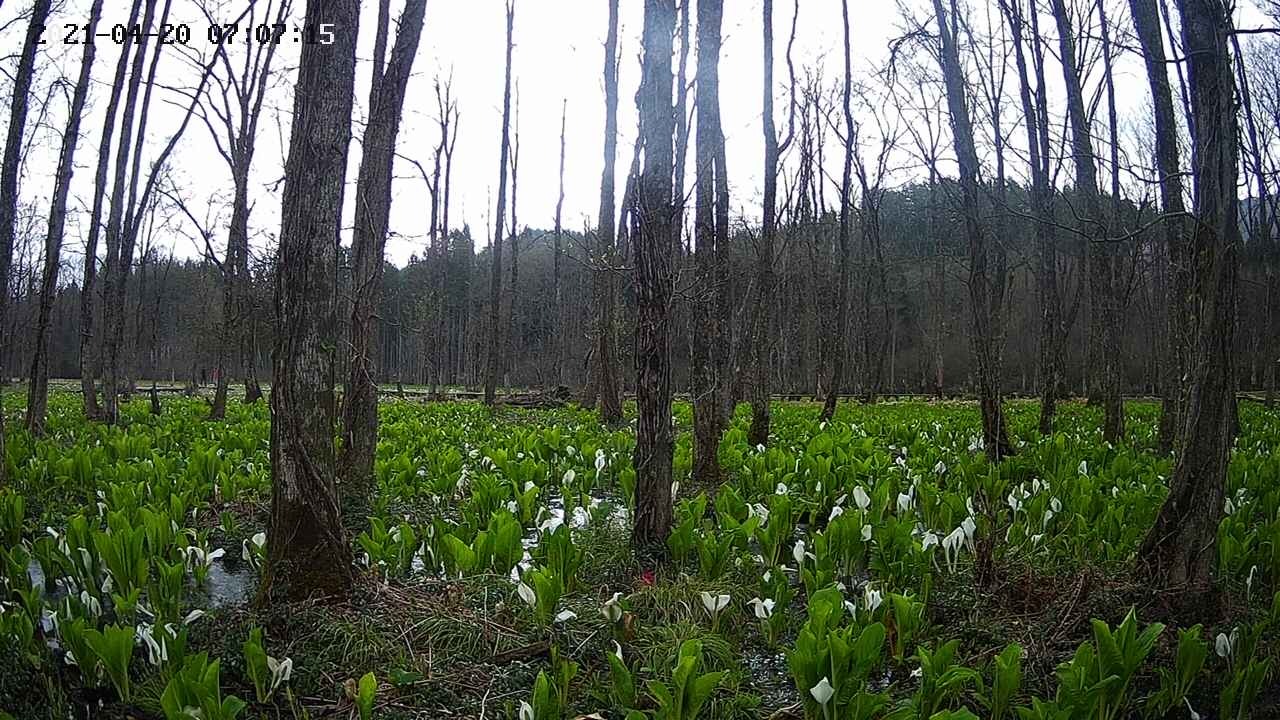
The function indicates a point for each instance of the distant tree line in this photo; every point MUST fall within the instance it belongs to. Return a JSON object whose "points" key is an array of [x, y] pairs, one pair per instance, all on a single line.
{"points": [[176, 312]]}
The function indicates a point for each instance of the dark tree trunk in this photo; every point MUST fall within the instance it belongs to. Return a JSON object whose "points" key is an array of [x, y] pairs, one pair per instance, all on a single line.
{"points": [[373, 208], [603, 380], [1180, 549], [1102, 257], [841, 349], [239, 340], [1261, 220], [9, 179], [88, 366], [654, 287], [494, 362], [985, 351], [308, 552], [119, 222], [1114, 277], [38, 386], [708, 386], [1049, 366], [682, 126], [764, 314]]}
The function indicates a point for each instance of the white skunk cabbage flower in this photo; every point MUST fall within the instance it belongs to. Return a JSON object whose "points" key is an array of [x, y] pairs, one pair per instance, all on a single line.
{"points": [[822, 692], [714, 604], [526, 594], [861, 499], [612, 610], [763, 608]]}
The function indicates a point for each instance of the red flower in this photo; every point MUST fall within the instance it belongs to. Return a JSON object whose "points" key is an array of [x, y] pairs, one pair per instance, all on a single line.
{"points": [[647, 577]]}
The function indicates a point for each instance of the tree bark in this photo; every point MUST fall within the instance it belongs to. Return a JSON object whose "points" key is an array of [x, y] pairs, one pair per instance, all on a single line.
{"points": [[707, 383], [995, 436], [558, 364], [88, 364], [116, 270], [765, 315], [38, 385], [1146, 22], [1101, 255], [240, 127], [654, 287], [603, 380], [512, 312], [308, 553], [373, 208], [1049, 368], [1180, 549], [12, 166], [494, 361], [841, 350]]}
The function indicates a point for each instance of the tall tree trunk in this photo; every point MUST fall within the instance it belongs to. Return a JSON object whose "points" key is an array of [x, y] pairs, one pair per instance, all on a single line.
{"points": [[995, 436], [38, 386], [708, 386], [239, 338], [841, 333], [118, 222], [1049, 366], [512, 313], [1262, 219], [1100, 252], [494, 362], [1180, 549], [1113, 349], [241, 335], [9, 181], [308, 553], [939, 286], [373, 208], [88, 364], [682, 125], [765, 315], [558, 332], [603, 381], [654, 287]]}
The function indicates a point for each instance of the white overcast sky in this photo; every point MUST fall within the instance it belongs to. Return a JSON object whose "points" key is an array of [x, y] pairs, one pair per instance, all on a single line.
{"points": [[558, 57]]}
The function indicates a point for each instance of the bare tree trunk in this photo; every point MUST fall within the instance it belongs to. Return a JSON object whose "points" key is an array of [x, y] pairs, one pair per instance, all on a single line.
{"points": [[846, 189], [512, 312], [995, 436], [1114, 277], [708, 386], [115, 276], [308, 552], [494, 361], [249, 90], [1180, 549], [939, 286], [654, 287], [88, 366], [443, 371], [559, 339], [1046, 255], [603, 380], [373, 208], [9, 177], [682, 125], [722, 337], [1101, 253], [764, 314], [38, 387], [1262, 218]]}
